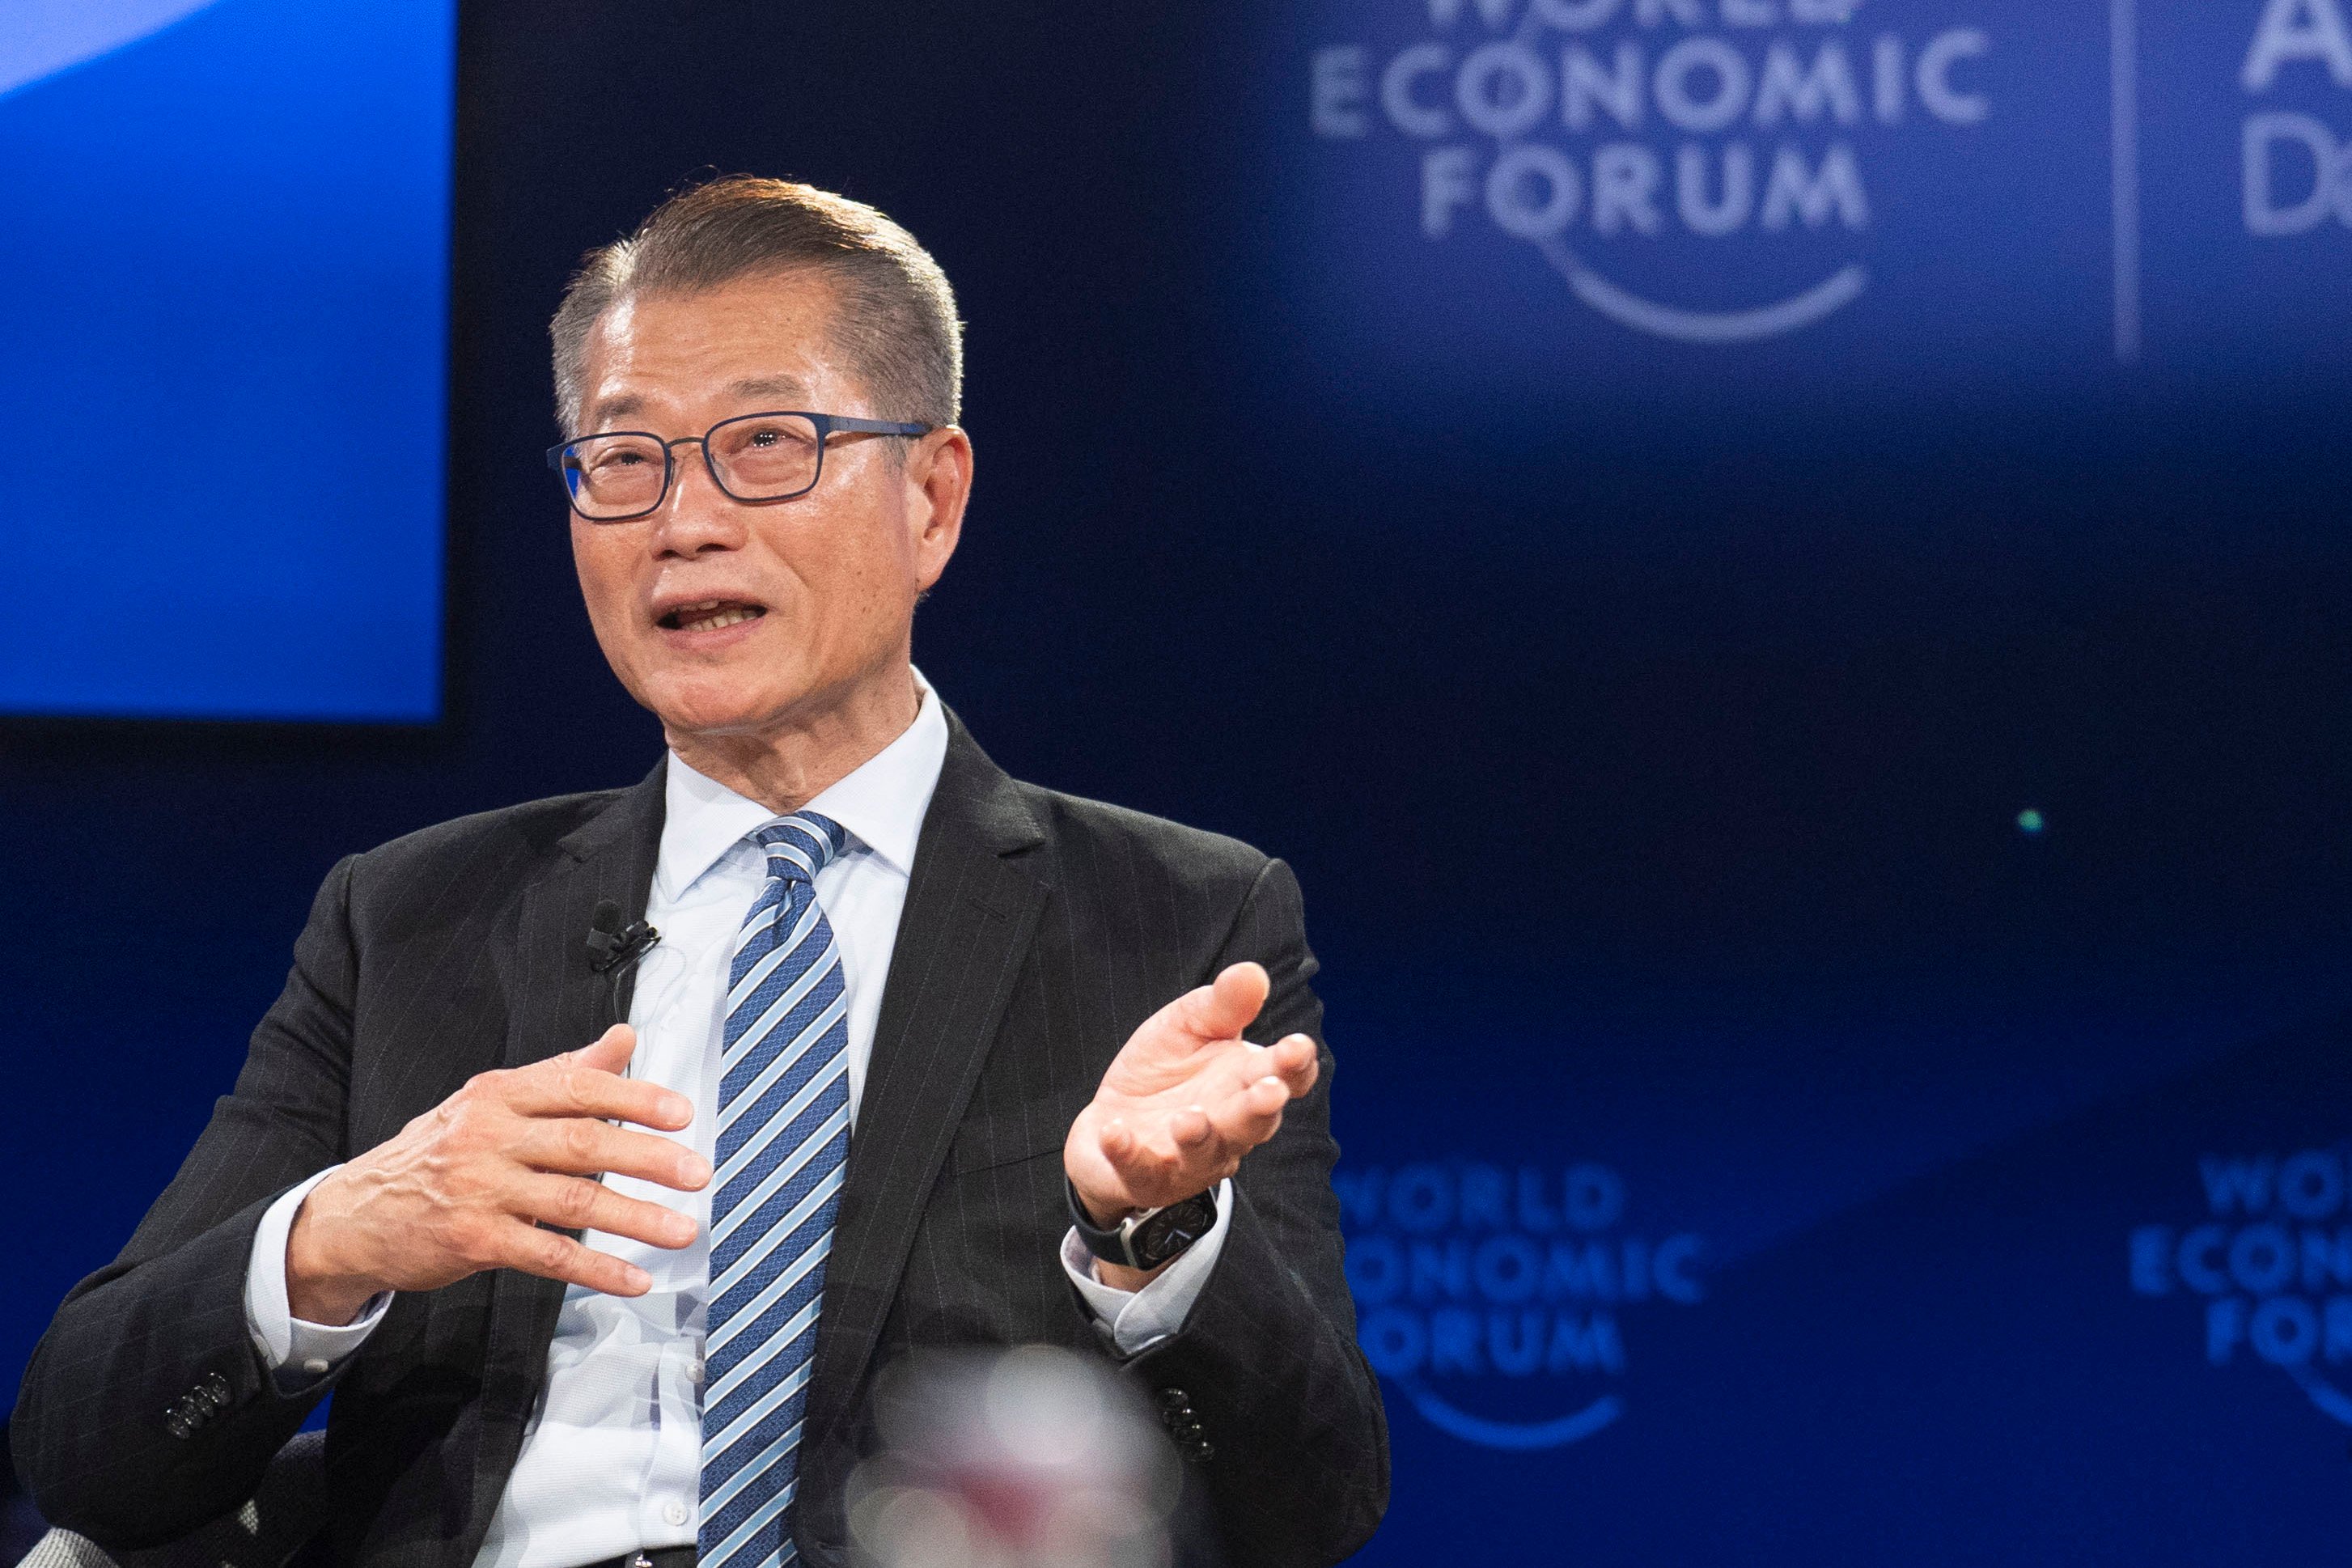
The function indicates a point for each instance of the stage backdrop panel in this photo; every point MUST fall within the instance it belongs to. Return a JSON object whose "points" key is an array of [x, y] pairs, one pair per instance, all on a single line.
{"points": [[1778, 569], [225, 298]]}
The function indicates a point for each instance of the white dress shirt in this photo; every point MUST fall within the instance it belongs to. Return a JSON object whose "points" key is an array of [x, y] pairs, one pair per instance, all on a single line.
{"points": [[611, 1461]]}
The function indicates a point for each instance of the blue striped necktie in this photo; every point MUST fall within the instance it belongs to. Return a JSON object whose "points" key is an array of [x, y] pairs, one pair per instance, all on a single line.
{"points": [[784, 1145]]}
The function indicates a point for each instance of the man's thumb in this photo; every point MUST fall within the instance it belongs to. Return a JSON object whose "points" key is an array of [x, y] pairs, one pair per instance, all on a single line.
{"points": [[1232, 999]]}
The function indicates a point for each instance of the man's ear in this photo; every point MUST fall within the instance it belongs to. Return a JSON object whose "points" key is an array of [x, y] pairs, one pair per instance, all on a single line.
{"points": [[938, 475]]}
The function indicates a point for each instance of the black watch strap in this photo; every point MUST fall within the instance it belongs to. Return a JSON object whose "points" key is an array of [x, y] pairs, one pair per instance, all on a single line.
{"points": [[1148, 1239]]}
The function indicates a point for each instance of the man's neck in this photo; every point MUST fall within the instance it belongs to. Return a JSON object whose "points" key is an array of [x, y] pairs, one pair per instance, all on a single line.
{"points": [[785, 767]]}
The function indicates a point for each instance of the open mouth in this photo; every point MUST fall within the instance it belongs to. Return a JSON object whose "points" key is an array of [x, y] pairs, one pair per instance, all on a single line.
{"points": [[710, 616]]}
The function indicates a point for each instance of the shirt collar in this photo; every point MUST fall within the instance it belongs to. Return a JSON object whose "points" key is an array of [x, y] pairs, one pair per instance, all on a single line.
{"points": [[882, 803]]}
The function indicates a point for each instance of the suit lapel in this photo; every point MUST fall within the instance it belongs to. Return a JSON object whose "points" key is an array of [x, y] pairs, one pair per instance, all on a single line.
{"points": [[555, 1004], [972, 904]]}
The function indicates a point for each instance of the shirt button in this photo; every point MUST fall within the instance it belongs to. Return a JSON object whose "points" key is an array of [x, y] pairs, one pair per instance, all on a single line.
{"points": [[315, 1366], [694, 1370], [674, 1511]]}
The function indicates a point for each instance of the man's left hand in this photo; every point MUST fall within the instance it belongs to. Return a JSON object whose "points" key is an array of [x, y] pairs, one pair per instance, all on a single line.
{"points": [[1186, 1098]]}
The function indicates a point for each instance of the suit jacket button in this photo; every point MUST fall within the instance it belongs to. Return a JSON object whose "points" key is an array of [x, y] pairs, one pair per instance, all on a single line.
{"points": [[1200, 1453], [215, 1388], [1173, 1399], [178, 1426]]}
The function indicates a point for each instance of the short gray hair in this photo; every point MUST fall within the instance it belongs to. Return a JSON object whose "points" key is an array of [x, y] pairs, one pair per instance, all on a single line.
{"points": [[896, 318]]}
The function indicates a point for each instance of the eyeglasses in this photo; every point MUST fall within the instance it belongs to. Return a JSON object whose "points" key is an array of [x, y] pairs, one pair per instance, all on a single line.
{"points": [[616, 475]]}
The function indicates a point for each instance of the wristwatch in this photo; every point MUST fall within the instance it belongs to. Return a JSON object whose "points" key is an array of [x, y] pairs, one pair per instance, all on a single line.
{"points": [[1148, 1239]]}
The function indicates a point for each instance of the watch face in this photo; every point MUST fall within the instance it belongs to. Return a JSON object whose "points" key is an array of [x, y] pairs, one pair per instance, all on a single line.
{"points": [[1173, 1229]]}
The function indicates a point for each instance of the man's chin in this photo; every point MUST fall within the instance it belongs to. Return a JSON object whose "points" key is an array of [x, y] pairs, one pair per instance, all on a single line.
{"points": [[713, 704], [690, 721], [761, 704]]}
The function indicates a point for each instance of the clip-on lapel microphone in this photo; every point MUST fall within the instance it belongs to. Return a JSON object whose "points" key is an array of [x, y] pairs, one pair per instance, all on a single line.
{"points": [[612, 944]]}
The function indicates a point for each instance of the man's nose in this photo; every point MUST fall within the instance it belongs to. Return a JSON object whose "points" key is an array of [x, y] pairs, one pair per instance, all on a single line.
{"points": [[696, 516]]}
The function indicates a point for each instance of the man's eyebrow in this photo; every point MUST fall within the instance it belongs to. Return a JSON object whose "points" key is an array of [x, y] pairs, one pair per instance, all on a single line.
{"points": [[600, 416], [628, 404], [770, 386]]}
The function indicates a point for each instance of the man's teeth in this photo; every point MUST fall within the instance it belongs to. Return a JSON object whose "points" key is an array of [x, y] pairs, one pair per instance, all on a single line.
{"points": [[714, 620]]}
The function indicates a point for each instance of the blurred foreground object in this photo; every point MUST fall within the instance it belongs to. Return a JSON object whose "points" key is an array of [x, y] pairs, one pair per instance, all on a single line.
{"points": [[1032, 1458], [277, 1521]]}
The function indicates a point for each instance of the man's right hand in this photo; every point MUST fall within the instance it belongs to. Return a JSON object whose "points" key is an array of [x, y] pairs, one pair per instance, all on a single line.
{"points": [[468, 1185]]}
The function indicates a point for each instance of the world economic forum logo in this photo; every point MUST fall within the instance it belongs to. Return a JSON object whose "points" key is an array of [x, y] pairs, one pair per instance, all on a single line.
{"points": [[1611, 135], [1498, 1299], [2271, 1261]]}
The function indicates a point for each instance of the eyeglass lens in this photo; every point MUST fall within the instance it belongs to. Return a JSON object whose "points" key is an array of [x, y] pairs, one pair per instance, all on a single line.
{"points": [[761, 457]]}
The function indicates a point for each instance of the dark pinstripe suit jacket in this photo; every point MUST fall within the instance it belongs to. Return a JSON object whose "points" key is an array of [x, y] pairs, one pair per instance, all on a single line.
{"points": [[1039, 930]]}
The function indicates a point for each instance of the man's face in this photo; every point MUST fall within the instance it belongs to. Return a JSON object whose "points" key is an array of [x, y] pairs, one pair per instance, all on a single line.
{"points": [[732, 619]]}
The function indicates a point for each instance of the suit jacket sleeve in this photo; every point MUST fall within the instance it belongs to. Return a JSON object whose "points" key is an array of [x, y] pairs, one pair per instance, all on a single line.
{"points": [[93, 1433], [1269, 1360]]}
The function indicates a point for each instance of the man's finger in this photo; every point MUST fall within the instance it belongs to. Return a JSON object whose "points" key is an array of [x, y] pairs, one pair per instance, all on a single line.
{"points": [[573, 1086], [1118, 1141], [610, 1052], [576, 1203], [1190, 1127], [579, 1146], [1138, 1164], [552, 1255], [1222, 1009], [1101, 1171], [1250, 1116], [1294, 1059]]}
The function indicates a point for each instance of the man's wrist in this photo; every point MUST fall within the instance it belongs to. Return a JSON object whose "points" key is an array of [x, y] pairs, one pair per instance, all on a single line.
{"points": [[1105, 1216], [1142, 1240], [317, 1291]]}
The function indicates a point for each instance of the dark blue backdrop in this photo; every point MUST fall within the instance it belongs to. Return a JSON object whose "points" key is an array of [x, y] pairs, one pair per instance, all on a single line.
{"points": [[1760, 1147]]}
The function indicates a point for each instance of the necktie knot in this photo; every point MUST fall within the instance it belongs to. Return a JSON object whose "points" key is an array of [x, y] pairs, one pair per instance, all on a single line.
{"points": [[800, 846]]}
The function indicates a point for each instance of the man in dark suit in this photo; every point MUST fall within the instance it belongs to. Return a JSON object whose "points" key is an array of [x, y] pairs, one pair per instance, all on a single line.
{"points": [[600, 1151]]}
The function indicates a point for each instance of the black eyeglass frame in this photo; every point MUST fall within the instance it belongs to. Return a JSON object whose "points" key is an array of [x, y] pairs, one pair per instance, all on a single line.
{"points": [[827, 425]]}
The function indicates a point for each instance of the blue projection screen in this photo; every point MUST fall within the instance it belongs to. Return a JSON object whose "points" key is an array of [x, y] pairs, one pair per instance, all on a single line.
{"points": [[226, 303]]}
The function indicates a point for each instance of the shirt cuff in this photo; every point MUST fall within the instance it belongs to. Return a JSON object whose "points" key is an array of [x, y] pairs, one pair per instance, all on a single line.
{"points": [[296, 1353], [1137, 1318]]}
